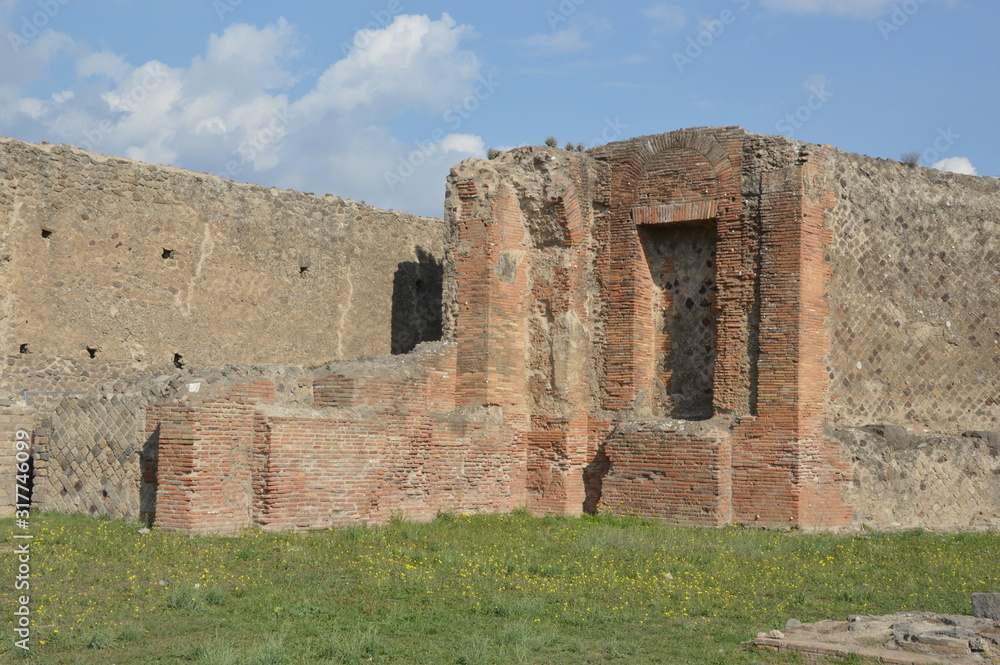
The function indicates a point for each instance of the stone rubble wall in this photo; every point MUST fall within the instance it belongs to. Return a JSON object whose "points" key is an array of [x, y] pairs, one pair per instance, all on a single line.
{"points": [[914, 297], [113, 269], [903, 479], [97, 453]]}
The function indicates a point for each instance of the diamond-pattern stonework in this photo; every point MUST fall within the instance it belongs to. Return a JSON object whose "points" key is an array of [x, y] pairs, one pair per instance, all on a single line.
{"points": [[681, 262], [902, 479], [94, 450], [915, 262]]}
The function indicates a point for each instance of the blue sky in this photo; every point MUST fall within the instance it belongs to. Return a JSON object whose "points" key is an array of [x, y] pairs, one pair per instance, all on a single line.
{"points": [[375, 101]]}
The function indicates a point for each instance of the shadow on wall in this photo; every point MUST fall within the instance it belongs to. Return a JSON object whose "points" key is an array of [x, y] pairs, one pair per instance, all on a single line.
{"points": [[416, 302], [593, 481], [147, 484]]}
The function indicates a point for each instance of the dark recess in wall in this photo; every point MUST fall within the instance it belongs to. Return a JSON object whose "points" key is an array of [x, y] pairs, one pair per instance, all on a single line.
{"points": [[416, 302]]}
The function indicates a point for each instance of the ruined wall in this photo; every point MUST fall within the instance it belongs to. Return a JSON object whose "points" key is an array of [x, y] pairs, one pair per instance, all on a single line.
{"points": [[114, 269], [97, 453], [660, 326], [914, 297], [381, 438], [902, 480], [525, 299]]}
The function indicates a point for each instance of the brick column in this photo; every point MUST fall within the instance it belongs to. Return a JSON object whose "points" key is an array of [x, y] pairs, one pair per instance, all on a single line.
{"points": [[492, 278], [203, 471], [785, 472]]}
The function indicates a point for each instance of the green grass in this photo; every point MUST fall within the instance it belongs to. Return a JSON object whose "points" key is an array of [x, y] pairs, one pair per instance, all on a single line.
{"points": [[493, 590]]}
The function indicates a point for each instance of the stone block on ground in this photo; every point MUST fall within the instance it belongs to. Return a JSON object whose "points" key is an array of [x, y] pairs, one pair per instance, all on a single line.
{"points": [[986, 606]]}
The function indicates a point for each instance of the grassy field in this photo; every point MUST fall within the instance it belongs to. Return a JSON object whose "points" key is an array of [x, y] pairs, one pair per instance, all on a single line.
{"points": [[464, 590]]}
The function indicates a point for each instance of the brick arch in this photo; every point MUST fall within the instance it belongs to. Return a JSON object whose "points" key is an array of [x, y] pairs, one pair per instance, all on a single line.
{"points": [[676, 175], [688, 149]]}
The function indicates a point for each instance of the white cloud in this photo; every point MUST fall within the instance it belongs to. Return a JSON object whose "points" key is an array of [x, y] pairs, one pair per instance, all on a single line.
{"points": [[567, 40], [104, 63], [465, 143], [414, 62], [669, 18], [230, 112], [852, 8], [956, 165]]}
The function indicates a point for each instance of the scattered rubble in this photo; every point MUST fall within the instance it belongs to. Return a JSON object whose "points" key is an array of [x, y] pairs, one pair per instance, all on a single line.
{"points": [[905, 638]]}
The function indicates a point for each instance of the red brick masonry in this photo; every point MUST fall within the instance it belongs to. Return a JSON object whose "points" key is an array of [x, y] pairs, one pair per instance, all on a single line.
{"points": [[591, 363]]}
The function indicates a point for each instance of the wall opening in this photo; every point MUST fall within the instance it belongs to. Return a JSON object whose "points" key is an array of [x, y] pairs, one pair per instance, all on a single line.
{"points": [[178, 361], [417, 291], [92, 351], [47, 233], [24, 349], [681, 261], [168, 253]]}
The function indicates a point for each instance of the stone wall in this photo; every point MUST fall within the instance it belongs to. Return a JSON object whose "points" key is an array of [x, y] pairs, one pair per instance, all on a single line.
{"points": [[903, 479], [97, 453], [113, 269], [12, 420], [914, 297], [667, 326]]}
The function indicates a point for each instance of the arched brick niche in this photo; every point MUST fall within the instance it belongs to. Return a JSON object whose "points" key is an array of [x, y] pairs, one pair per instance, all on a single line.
{"points": [[676, 203], [675, 206]]}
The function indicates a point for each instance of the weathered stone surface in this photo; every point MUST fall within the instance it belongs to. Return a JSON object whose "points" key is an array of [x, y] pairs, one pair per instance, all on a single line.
{"points": [[903, 478], [909, 638], [986, 605], [218, 273], [694, 326]]}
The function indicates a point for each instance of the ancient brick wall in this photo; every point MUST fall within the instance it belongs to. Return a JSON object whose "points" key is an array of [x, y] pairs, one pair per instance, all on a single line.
{"points": [[378, 447], [97, 453], [522, 251], [914, 297], [666, 326], [672, 470], [113, 269]]}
